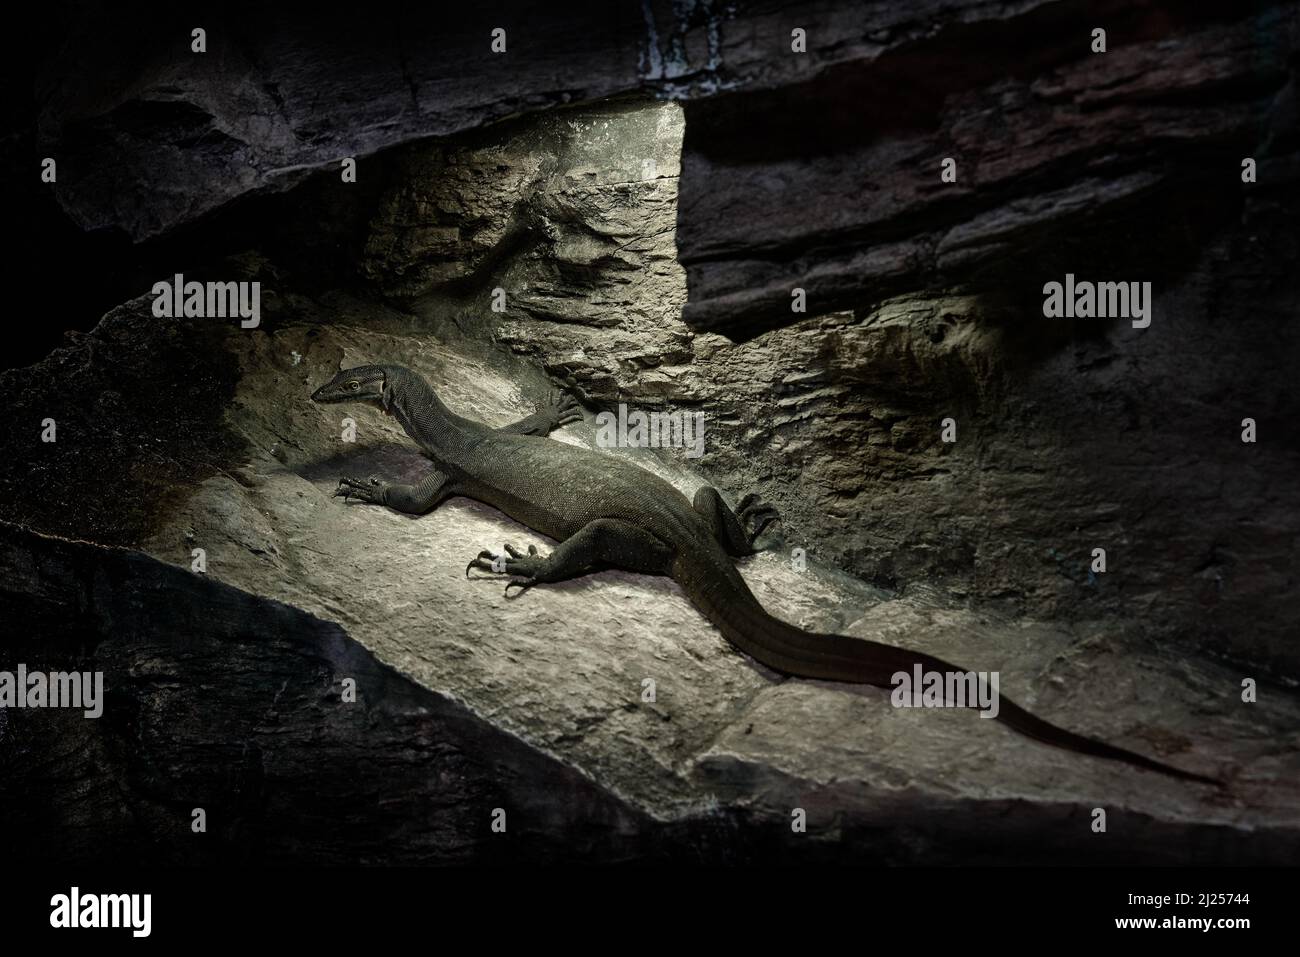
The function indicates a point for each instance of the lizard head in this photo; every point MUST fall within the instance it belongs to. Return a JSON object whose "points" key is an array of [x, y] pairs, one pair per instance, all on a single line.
{"points": [[358, 384]]}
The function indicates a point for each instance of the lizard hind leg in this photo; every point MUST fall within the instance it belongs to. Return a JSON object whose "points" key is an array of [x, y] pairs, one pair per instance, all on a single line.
{"points": [[602, 543], [735, 530]]}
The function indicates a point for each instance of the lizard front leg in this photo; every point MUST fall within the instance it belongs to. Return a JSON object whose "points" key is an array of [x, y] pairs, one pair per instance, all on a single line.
{"points": [[412, 499], [559, 411], [604, 542]]}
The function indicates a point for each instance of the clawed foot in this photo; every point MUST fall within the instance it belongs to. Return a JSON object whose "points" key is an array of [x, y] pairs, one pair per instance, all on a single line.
{"points": [[366, 490], [755, 515], [513, 562], [563, 409]]}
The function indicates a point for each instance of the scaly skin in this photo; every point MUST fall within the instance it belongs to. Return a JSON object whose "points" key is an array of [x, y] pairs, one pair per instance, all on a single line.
{"points": [[606, 512]]}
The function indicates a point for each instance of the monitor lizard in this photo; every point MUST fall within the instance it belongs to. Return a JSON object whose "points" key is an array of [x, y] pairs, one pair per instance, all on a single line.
{"points": [[608, 512]]}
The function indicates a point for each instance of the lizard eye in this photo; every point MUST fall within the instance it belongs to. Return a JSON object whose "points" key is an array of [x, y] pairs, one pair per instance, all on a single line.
{"points": [[353, 385]]}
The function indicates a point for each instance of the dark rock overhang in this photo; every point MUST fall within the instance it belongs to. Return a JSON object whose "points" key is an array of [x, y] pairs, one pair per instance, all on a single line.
{"points": [[1051, 139]]}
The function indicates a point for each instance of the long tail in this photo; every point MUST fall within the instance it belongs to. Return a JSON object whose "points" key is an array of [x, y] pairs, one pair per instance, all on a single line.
{"points": [[719, 591]]}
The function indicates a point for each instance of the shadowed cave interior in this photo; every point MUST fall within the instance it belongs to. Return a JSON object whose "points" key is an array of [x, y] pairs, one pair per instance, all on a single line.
{"points": [[647, 248]]}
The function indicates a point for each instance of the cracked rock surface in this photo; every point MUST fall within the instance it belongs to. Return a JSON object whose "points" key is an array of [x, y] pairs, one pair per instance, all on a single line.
{"points": [[562, 668]]}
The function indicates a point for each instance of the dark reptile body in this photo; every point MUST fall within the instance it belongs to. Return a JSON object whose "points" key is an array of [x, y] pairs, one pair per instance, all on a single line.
{"points": [[551, 487], [559, 489]]}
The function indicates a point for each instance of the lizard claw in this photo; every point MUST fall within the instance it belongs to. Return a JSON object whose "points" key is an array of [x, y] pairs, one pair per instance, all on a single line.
{"points": [[515, 553], [511, 562], [484, 560], [564, 409], [523, 586], [367, 490], [755, 515]]}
